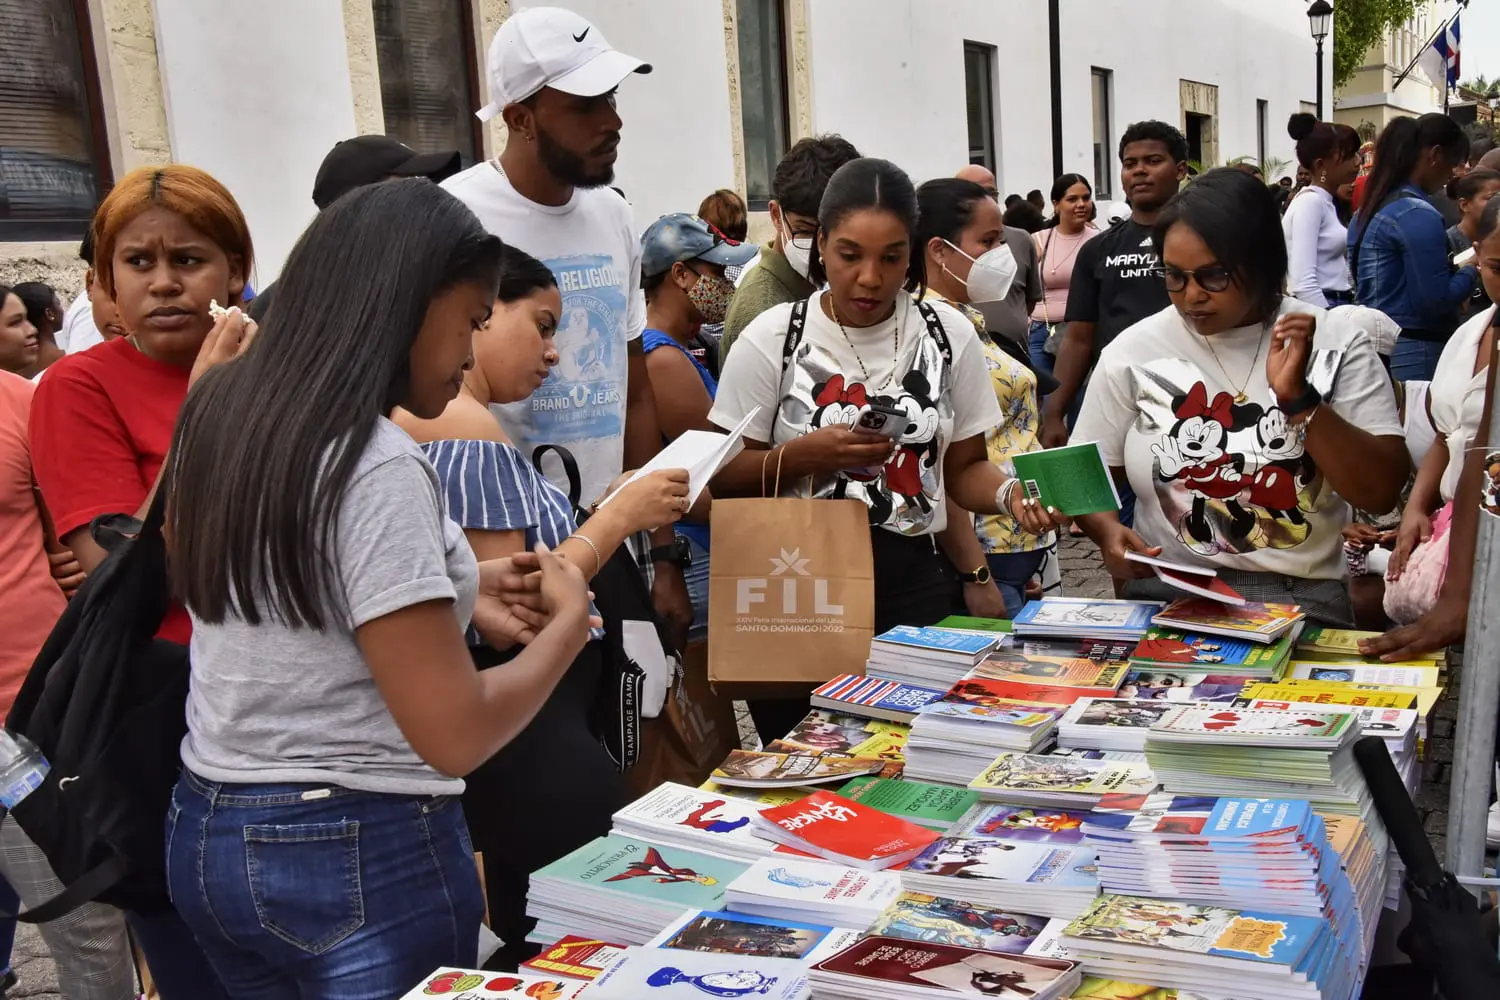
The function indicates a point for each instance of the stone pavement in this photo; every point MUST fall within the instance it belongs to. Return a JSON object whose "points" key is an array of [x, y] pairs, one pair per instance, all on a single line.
{"points": [[37, 976]]}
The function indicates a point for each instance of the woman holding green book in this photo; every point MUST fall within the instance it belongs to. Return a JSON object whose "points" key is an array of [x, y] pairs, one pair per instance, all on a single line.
{"points": [[1246, 421]]}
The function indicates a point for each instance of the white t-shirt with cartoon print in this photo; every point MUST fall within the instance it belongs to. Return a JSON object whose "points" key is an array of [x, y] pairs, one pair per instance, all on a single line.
{"points": [[1221, 483]]}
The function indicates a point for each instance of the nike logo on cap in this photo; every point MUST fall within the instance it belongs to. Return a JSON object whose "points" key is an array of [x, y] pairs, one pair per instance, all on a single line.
{"points": [[581, 35]]}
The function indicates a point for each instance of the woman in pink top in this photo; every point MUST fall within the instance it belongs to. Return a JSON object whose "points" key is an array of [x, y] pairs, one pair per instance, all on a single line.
{"points": [[1056, 250]]}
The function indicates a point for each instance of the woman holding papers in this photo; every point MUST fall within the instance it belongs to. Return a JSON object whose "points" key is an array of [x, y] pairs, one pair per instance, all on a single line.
{"points": [[1246, 421], [522, 818]]}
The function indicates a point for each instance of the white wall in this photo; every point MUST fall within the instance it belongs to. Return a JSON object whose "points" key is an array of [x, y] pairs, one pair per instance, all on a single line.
{"points": [[675, 143], [257, 92]]}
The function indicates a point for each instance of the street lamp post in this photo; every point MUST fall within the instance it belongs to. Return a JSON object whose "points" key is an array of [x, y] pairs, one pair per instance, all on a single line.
{"points": [[1320, 20]]}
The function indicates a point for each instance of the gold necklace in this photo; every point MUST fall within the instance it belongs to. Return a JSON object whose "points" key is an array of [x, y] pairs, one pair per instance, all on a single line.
{"points": [[1240, 396], [895, 357]]}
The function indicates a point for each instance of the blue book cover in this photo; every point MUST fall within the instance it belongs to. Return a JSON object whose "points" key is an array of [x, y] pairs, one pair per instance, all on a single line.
{"points": [[1025, 823], [1246, 935], [1087, 617], [938, 640]]}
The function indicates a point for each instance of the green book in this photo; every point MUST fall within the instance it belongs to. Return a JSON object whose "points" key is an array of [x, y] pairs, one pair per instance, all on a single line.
{"points": [[983, 626], [622, 867], [935, 806], [1071, 479]]}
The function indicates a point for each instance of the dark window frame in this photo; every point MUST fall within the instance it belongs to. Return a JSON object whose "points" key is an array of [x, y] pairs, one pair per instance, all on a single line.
{"points": [[469, 39], [1263, 136], [1103, 146], [989, 149], [44, 230], [754, 200]]}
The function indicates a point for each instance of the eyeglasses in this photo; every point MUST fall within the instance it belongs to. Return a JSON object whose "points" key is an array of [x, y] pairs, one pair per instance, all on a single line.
{"points": [[1211, 279]]}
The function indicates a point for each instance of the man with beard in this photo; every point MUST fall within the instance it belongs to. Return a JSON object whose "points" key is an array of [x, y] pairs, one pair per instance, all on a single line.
{"points": [[552, 78]]}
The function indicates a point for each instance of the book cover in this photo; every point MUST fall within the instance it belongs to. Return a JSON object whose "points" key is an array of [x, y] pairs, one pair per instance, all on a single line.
{"points": [[1116, 713], [669, 973], [968, 623], [752, 768], [1382, 675], [678, 808], [810, 884], [852, 693], [730, 933], [1071, 479], [1181, 686], [1322, 641], [1344, 694], [999, 821], [1219, 723], [982, 691], [1008, 861], [1391, 724], [1172, 650], [935, 806], [1100, 664], [894, 962], [984, 700], [1072, 775], [888, 748], [831, 825], [1165, 816], [1094, 988], [831, 732], [917, 916], [575, 957], [1204, 930], [961, 645], [759, 797], [470, 984], [1089, 617], [1263, 622], [664, 876]]}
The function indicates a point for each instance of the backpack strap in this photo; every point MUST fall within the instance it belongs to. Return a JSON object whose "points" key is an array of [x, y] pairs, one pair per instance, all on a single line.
{"points": [[794, 328], [570, 469], [938, 331], [84, 889]]}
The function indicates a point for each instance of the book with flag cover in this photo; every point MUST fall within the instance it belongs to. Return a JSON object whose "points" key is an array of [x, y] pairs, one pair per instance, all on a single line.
{"points": [[872, 697]]}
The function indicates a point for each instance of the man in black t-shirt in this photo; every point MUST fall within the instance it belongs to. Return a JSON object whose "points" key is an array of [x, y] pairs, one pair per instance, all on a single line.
{"points": [[1115, 279]]}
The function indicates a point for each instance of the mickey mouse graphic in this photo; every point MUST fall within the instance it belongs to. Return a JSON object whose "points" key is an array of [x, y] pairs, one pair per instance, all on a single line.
{"points": [[1194, 453], [917, 447], [1284, 469]]}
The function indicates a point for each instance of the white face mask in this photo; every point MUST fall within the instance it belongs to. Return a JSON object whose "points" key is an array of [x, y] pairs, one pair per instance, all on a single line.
{"points": [[993, 273], [799, 255]]}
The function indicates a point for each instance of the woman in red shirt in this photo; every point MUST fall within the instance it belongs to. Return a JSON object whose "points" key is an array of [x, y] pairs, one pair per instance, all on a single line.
{"points": [[168, 241]]}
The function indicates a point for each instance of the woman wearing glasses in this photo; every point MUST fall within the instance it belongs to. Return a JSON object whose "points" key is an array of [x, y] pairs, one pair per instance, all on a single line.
{"points": [[1247, 422]]}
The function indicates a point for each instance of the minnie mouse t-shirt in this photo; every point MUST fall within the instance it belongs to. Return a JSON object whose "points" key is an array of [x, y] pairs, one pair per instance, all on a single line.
{"points": [[1225, 482]]}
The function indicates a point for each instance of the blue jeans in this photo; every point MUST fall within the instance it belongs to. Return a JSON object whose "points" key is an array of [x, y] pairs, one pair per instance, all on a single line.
{"points": [[177, 961], [1415, 360], [1036, 340], [1012, 571], [314, 892], [696, 578]]}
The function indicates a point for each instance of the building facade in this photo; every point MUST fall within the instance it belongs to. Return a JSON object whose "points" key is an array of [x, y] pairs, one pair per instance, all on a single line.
{"points": [[257, 91], [1373, 96]]}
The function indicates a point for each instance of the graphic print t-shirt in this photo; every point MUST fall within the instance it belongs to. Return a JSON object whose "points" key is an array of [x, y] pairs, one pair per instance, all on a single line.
{"points": [[1224, 484], [1115, 283], [591, 246]]}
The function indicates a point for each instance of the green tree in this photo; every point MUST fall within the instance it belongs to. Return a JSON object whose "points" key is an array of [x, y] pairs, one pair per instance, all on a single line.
{"points": [[1359, 24]]}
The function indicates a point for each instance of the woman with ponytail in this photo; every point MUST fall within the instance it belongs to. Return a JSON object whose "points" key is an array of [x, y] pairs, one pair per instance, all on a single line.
{"points": [[1316, 241], [1398, 246]]}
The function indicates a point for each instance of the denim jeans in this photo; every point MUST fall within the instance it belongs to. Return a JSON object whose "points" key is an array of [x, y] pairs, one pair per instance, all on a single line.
{"points": [[1012, 571], [1415, 360], [307, 892], [1036, 342], [696, 578]]}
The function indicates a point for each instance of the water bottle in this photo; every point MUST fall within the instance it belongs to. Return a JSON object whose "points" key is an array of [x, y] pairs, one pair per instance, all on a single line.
{"points": [[22, 768]]}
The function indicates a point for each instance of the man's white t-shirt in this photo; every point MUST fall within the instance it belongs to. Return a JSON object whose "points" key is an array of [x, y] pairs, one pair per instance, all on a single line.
{"points": [[752, 374], [591, 246], [1223, 484], [78, 332]]}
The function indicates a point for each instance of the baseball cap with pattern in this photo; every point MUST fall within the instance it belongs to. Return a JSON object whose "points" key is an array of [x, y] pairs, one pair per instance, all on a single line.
{"points": [[551, 47], [683, 237]]}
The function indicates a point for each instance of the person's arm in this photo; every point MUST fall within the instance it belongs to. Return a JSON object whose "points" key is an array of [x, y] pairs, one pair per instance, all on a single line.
{"points": [[1426, 497], [1429, 274], [66, 570], [974, 483], [960, 544], [682, 401], [669, 594], [1033, 278], [1302, 228]]}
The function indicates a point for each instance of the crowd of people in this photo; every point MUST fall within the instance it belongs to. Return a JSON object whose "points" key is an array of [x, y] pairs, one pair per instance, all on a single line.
{"points": [[380, 479]]}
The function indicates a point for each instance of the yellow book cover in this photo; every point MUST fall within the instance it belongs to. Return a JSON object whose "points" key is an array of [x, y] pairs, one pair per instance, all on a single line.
{"points": [[1320, 643], [1094, 988], [1426, 697], [1341, 695], [1415, 675], [766, 798]]}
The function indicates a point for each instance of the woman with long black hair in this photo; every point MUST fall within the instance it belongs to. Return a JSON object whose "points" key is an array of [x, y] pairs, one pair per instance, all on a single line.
{"points": [[1398, 246], [1247, 422], [1317, 241], [315, 841]]}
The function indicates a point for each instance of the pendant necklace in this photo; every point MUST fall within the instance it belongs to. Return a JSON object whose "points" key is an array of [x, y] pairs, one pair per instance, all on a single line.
{"points": [[1240, 396], [896, 347]]}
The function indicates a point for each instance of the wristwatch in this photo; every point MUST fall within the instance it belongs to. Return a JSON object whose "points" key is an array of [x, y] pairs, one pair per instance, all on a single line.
{"points": [[980, 576], [1299, 405], [678, 554]]}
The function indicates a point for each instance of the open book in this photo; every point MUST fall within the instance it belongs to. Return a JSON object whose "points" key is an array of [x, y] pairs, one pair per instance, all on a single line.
{"points": [[1195, 580], [702, 453]]}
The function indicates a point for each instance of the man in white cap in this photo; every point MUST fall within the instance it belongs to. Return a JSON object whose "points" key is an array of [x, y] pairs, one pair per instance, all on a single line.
{"points": [[552, 77]]}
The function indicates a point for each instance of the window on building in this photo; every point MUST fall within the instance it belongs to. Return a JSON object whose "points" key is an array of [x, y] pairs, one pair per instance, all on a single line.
{"points": [[53, 156], [429, 74], [1104, 159], [763, 94], [1262, 133], [979, 101]]}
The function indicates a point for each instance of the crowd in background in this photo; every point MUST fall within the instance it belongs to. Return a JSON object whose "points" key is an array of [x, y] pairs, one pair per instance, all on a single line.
{"points": [[381, 476]]}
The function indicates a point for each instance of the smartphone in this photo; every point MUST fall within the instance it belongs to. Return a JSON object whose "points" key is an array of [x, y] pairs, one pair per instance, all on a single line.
{"points": [[887, 421]]}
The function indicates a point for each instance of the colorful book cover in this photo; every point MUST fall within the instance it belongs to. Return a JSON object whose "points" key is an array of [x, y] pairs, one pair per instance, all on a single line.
{"points": [[980, 699], [752, 768], [746, 934], [664, 876], [917, 916], [852, 693], [1204, 930], [1008, 861], [1078, 663], [936, 806], [881, 961], [1070, 775], [811, 884], [831, 825], [761, 798], [1181, 686], [1166, 816], [694, 975], [697, 813], [1072, 479], [1321, 642], [1061, 614], [469, 984], [1171, 649], [831, 732], [1382, 674], [1344, 694], [1094, 988], [1116, 713], [888, 748], [575, 957], [967, 623], [961, 645], [1036, 824], [1231, 723], [982, 691], [1262, 621], [1391, 724]]}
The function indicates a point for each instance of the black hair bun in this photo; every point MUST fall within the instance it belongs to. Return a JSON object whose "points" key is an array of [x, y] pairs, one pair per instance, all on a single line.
{"points": [[1300, 125]]}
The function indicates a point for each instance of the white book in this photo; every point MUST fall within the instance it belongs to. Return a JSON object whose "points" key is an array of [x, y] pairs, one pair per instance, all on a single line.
{"points": [[676, 815], [669, 974], [473, 984], [701, 453], [799, 889]]}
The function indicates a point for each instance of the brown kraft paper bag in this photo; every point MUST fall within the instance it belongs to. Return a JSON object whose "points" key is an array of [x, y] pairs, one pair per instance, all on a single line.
{"points": [[694, 732], [791, 594]]}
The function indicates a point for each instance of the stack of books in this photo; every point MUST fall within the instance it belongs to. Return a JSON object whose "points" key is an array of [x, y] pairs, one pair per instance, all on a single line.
{"points": [[761, 769], [1396, 726], [927, 657], [1262, 623], [726, 933], [882, 968], [1056, 670], [1110, 723], [1031, 878], [1082, 618], [1027, 824], [574, 957], [954, 738], [873, 697], [920, 916], [1174, 651], [830, 826], [1211, 949], [936, 807], [1060, 782], [812, 891], [668, 973], [622, 889], [674, 815]]}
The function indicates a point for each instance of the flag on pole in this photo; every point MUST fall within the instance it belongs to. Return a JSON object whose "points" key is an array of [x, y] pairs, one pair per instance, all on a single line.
{"points": [[1441, 60]]}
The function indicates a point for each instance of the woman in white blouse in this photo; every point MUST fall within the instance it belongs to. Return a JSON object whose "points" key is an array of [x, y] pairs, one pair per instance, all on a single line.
{"points": [[1316, 241]]}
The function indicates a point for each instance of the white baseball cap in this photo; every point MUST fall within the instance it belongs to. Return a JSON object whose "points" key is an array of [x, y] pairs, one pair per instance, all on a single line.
{"points": [[551, 47]]}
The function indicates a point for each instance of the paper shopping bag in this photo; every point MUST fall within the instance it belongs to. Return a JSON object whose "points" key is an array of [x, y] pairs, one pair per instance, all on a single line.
{"points": [[791, 595], [695, 730]]}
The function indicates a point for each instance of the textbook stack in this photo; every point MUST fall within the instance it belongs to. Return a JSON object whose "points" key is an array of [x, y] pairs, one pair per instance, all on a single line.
{"points": [[727, 933], [1047, 880], [882, 968], [786, 887], [1174, 650], [1212, 950], [955, 737], [927, 657], [873, 697], [1110, 723], [673, 815], [1055, 670], [1262, 623], [1062, 782]]}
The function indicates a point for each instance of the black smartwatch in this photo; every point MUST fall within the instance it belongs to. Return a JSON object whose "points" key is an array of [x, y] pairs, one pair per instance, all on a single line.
{"points": [[678, 554], [980, 576], [1299, 405]]}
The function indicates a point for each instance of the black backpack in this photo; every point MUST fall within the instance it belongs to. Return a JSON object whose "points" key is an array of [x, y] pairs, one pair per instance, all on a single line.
{"points": [[105, 702]]}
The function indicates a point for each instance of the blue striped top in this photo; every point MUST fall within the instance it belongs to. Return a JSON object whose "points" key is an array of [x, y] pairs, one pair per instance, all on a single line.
{"points": [[489, 486]]}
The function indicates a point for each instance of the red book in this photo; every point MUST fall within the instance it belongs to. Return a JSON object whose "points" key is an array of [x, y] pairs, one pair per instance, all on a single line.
{"points": [[575, 958], [988, 691], [839, 829]]}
